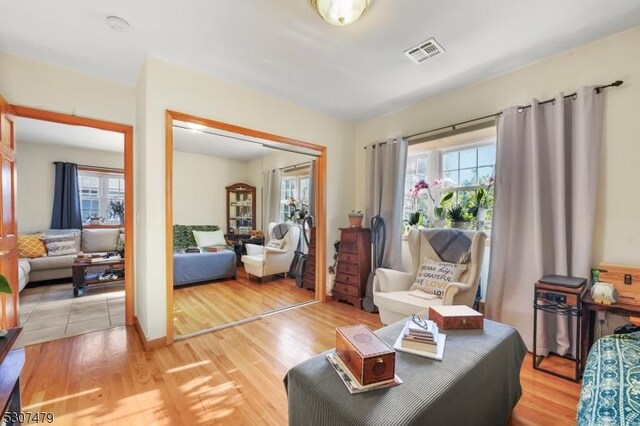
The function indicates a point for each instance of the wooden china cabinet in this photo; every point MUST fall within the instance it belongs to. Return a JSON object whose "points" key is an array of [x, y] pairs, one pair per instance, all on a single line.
{"points": [[241, 209]]}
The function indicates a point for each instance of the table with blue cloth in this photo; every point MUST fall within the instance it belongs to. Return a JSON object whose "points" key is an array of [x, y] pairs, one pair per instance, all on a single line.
{"points": [[476, 383]]}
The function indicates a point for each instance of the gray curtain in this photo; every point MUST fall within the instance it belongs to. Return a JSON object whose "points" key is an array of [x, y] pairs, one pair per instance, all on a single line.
{"points": [[66, 200], [544, 212], [271, 198], [312, 189], [386, 165]]}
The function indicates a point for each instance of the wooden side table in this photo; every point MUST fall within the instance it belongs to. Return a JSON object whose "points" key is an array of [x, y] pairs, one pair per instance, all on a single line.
{"points": [[589, 309]]}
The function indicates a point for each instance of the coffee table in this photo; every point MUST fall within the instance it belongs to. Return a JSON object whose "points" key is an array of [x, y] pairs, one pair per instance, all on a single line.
{"points": [[83, 266]]}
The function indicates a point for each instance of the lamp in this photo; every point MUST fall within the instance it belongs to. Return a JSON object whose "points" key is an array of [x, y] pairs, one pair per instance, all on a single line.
{"points": [[341, 12]]}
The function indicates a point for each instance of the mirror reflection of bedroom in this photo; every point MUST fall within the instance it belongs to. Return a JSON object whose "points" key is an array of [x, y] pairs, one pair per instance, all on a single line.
{"points": [[243, 228]]}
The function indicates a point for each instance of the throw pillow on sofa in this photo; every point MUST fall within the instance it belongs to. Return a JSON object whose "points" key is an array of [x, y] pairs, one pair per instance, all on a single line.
{"points": [[209, 238], [31, 246], [433, 277], [100, 240], [60, 245]]}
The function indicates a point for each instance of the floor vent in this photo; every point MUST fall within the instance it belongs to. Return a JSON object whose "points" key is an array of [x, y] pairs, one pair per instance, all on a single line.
{"points": [[425, 50]]}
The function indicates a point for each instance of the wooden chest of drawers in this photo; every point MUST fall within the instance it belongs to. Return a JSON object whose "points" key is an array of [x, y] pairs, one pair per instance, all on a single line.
{"points": [[354, 265]]}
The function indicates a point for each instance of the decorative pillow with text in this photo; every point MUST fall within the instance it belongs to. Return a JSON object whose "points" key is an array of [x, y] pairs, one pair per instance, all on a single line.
{"points": [[433, 277], [274, 243]]}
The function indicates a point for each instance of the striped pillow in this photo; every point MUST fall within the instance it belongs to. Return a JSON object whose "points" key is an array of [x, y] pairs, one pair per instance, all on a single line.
{"points": [[60, 245]]}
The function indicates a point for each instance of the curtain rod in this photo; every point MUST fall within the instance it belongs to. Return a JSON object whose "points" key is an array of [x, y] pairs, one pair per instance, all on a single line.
{"points": [[95, 168], [455, 126], [295, 166]]}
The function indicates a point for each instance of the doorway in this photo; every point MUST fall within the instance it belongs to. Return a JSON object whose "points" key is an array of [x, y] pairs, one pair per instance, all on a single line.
{"points": [[248, 192], [101, 157]]}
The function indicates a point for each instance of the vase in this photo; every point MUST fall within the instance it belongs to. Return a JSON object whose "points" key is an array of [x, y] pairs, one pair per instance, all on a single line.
{"points": [[481, 216], [459, 224], [355, 221]]}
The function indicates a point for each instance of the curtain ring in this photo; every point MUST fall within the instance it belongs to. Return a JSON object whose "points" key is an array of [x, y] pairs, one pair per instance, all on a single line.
{"points": [[575, 96], [553, 102], [520, 109]]}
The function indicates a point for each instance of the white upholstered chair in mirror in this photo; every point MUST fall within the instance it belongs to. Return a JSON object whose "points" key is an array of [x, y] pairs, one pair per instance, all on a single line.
{"points": [[276, 255], [391, 288]]}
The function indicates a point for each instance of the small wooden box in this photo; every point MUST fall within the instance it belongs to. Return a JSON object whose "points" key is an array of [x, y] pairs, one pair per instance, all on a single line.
{"points": [[368, 358], [455, 317]]}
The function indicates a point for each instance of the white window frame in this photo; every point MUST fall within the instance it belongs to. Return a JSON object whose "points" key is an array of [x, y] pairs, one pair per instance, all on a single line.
{"points": [[284, 208], [103, 192]]}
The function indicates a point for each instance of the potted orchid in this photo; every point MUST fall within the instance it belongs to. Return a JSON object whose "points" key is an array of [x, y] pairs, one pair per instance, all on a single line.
{"points": [[479, 208], [297, 214]]}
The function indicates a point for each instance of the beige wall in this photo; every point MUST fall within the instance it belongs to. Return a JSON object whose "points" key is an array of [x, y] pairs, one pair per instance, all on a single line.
{"points": [[199, 188], [36, 175], [169, 86], [39, 85], [617, 236]]}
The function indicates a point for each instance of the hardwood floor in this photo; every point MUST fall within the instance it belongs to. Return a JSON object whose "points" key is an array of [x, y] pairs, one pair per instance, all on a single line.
{"points": [[202, 306], [232, 376]]}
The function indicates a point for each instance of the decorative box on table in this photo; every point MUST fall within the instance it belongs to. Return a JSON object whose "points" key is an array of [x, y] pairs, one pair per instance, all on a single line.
{"points": [[368, 358], [456, 317]]}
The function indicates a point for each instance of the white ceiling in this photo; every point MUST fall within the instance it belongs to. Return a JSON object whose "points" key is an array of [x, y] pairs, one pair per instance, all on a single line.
{"points": [[45, 132], [282, 47]]}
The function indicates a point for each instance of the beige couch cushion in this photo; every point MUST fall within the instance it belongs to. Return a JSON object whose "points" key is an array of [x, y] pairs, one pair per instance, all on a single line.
{"points": [[100, 240], [55, 262]]}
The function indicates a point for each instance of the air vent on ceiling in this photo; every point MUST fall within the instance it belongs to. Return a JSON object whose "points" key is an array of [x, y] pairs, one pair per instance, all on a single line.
{"points": [[425, 50]]}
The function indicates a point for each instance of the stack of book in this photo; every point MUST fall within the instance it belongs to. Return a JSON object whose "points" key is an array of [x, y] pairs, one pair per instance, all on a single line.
{"points": [[421, 338]]}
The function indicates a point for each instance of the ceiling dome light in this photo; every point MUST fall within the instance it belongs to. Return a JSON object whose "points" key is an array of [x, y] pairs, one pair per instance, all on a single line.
{"points": [[341, 12], [118, 24]]}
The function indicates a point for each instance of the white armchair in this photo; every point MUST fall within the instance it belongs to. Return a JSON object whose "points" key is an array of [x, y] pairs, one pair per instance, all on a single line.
{"points": [[261, 261], [391, 288]]}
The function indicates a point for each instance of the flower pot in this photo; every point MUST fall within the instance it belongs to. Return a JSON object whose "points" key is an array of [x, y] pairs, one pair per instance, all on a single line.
{"points": [[355, 221], [460, 224], [95, 221], [481, 216]]}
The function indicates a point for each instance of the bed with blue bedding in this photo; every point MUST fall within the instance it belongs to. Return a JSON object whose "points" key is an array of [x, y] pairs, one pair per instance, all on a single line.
{"points": [[611, 382], [191, 268]]}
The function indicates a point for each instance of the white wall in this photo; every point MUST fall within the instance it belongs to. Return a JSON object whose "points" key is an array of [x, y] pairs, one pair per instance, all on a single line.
{"points": [[617, 237], [36, 177], [199, 188], [169, 86]]}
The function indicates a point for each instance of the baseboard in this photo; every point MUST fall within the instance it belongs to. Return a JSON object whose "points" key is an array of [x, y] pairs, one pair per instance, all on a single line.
{"points": [[148, 344]]}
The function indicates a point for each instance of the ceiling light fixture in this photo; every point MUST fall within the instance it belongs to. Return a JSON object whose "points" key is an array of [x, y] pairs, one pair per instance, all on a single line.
{"points": [[118, 24], [341, 12]]}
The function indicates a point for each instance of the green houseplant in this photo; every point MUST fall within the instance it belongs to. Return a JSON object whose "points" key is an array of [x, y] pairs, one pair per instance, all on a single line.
{"points": [[5, 288], [116, 209], [459, 217]]}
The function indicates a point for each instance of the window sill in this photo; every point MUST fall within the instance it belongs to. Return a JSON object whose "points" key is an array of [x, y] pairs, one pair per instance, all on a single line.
{"points": [[103, 226]]}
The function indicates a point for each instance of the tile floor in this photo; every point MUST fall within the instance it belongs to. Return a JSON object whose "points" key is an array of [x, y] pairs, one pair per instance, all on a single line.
{"points": [[50, 312]]}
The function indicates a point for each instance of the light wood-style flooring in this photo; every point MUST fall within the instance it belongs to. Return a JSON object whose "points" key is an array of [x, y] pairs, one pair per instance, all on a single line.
{"points": [[202, 306], [232, 376]]}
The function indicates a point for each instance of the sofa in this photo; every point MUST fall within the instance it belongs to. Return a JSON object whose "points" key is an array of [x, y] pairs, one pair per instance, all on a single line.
{"points": [[56, 267]]}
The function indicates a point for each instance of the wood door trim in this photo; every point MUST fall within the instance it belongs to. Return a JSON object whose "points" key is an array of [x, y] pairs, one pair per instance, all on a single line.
{"points": [[127, 131], [320, 196]]}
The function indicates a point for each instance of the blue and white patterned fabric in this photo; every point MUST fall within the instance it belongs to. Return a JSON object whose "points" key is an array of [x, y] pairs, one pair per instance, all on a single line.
{"points": [[611, 382]]}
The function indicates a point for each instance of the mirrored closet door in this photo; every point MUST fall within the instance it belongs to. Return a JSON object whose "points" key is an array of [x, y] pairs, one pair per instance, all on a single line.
{"points": [[243, 228]]}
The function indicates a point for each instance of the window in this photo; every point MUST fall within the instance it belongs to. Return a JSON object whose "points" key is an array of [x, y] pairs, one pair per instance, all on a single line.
{"points": [[287, 190], [97, 189], [296, 187], [417, 168], [464, 163]]}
